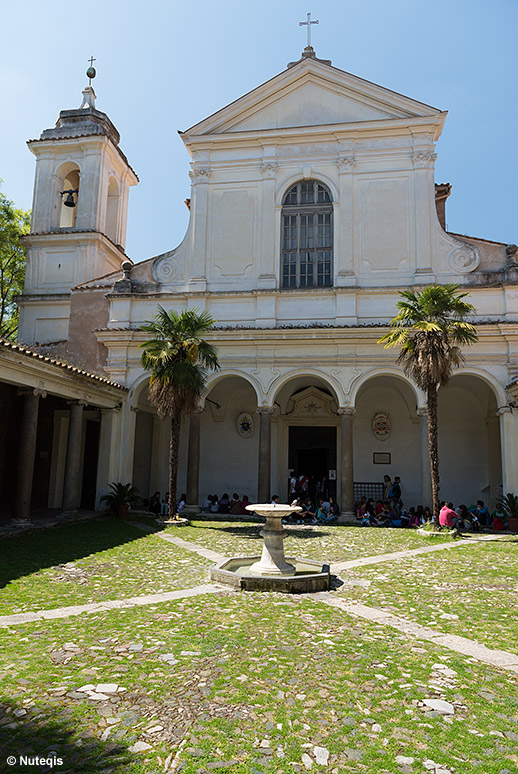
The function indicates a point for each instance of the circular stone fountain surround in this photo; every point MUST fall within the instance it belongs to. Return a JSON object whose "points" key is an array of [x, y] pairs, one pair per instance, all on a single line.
{"points": [[272, 571]]}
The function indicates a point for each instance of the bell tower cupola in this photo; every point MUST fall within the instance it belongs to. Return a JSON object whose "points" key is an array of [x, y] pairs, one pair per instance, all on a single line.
{"points": [[79, 214]]}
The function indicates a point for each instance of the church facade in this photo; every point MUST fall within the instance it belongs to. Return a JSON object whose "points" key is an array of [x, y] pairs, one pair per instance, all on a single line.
{"points": [[313, 204]]}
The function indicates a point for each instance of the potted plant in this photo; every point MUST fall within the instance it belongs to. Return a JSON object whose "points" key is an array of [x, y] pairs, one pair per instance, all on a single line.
{"points": [[120, 498], [509, 505]]}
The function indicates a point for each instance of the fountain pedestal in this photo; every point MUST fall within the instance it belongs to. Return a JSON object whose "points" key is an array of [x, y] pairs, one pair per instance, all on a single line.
{"points": [[272, 561], [272, 571]]}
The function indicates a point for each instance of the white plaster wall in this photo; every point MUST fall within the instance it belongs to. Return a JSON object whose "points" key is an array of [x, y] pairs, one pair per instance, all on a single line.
{"points": [[403, 443], [463, 446], [228, 462]]}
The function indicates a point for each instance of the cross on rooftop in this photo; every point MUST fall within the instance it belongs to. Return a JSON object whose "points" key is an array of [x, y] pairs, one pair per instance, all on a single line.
{"points": [[308, 24], [92, 60]]}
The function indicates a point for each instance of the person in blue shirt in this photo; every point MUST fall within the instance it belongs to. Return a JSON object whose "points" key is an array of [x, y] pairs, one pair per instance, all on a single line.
{"points": [[482, 513]]}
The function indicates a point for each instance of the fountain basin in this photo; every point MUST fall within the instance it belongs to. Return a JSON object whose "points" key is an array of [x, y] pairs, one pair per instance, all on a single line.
{"points": [[308, 576]]}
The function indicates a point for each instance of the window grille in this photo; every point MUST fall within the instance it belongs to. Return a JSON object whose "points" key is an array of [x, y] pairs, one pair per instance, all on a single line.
{"points": [[307, 236]]}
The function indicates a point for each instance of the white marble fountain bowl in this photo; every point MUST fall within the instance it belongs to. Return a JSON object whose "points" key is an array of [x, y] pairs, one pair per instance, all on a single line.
{"points": [[271, 571]]}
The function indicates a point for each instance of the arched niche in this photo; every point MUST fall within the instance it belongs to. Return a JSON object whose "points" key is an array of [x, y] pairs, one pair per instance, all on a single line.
{"points": [[67, 179], [112, 210], [397, 454], [229, 456], [470, 463]]}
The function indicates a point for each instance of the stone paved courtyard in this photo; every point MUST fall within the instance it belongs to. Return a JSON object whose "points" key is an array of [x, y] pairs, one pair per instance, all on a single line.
{"points": [[117, 655]]}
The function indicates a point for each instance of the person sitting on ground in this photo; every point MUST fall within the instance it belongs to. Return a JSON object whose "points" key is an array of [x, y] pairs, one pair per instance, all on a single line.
{"points": [[155, 505], [223, 503], [275, 500], [379, 507], [244, 502], [482, 513], [420, 514], [307, 514], [164, 509], [414, 518], [335, 508], [205, 506], [322, 511], [214, 507], [447, 516], [464, 522], [370, 514], [235, 505], [181, 502], [498, 518], [360, 508], [428, 517]]}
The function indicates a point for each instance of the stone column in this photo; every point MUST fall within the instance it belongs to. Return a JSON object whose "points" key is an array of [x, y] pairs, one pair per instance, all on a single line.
{"points": [[193, 461], [26, 453], [426, 474], [265, 453], [107, 464], [509, 442], [72, 478], [346, 460]]}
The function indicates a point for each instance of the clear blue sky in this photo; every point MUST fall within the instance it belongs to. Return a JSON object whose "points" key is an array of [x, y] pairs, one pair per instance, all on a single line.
{"points": [[163, 66]]}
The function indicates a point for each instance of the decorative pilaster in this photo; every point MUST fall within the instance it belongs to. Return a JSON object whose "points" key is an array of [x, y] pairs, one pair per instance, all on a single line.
{"points": [[346, 459], [193, 461], [509, 441], [72, 479], [26, 453], [265, 453]]}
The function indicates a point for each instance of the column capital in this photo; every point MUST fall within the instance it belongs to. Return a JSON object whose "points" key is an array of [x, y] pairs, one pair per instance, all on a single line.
{"points": [[36, 391], [422, 411], [347, 411], [504, 410], [78, 402], [265, 409]]}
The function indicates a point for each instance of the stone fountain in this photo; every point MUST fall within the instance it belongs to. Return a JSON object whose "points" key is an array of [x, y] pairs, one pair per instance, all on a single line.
{"points": [[272, 571]]}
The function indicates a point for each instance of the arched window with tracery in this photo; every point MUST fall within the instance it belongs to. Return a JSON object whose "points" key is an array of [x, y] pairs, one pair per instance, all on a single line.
{"points": [[307, 236]]}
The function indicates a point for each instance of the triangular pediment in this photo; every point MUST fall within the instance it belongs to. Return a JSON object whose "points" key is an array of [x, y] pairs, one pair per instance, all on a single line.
{"points": [[311, 94]]}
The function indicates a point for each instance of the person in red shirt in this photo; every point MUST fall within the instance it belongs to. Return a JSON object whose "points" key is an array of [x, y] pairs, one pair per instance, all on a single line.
{"points": [[447, 516]]}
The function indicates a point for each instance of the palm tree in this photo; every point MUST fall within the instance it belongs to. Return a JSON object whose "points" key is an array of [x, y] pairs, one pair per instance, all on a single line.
{"points": [[179, 360], [430, 327]]}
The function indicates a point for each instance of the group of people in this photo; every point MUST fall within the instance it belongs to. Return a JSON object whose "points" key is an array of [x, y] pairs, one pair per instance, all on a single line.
{"points": [[472, 518], [160, 506], [390, 512], [303, 486], [224, 504]]}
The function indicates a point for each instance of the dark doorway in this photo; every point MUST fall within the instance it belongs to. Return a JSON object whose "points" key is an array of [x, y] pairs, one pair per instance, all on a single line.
{"points": [[90, 464], [312, 452]]}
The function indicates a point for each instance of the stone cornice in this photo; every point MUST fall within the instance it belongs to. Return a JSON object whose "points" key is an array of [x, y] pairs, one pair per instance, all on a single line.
{"points": [[322, 132]]}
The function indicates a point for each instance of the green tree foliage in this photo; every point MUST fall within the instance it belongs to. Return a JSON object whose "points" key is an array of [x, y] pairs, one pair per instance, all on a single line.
{"points": [[13, 224], [430, 327], [179, 360]]}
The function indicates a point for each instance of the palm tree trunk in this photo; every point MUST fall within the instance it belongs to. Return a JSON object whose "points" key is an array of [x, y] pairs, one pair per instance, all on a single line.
{"points": [[174, 448], [431, 397]]}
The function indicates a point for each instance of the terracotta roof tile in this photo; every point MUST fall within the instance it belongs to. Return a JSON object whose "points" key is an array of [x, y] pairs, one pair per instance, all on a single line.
{"points": [[23, 349]]}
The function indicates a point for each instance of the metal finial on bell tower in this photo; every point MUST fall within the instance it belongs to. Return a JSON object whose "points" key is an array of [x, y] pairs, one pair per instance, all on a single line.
{"points": [[88, 91], [91, 72]]}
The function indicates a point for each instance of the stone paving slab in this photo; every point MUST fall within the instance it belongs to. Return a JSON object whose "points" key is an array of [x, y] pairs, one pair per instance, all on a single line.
{"points": [[109, 604], [462, 645], [194, 547], [409, 552]]}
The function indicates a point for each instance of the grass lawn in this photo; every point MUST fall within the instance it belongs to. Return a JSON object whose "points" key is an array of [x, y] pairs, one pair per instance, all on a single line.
{"points": [[336, 543], [90, 562], [247, 683], [470, 591]]}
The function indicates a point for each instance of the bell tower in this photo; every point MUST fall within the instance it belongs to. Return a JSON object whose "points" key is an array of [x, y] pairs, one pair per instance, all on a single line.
{"points": [[79, 215]]}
